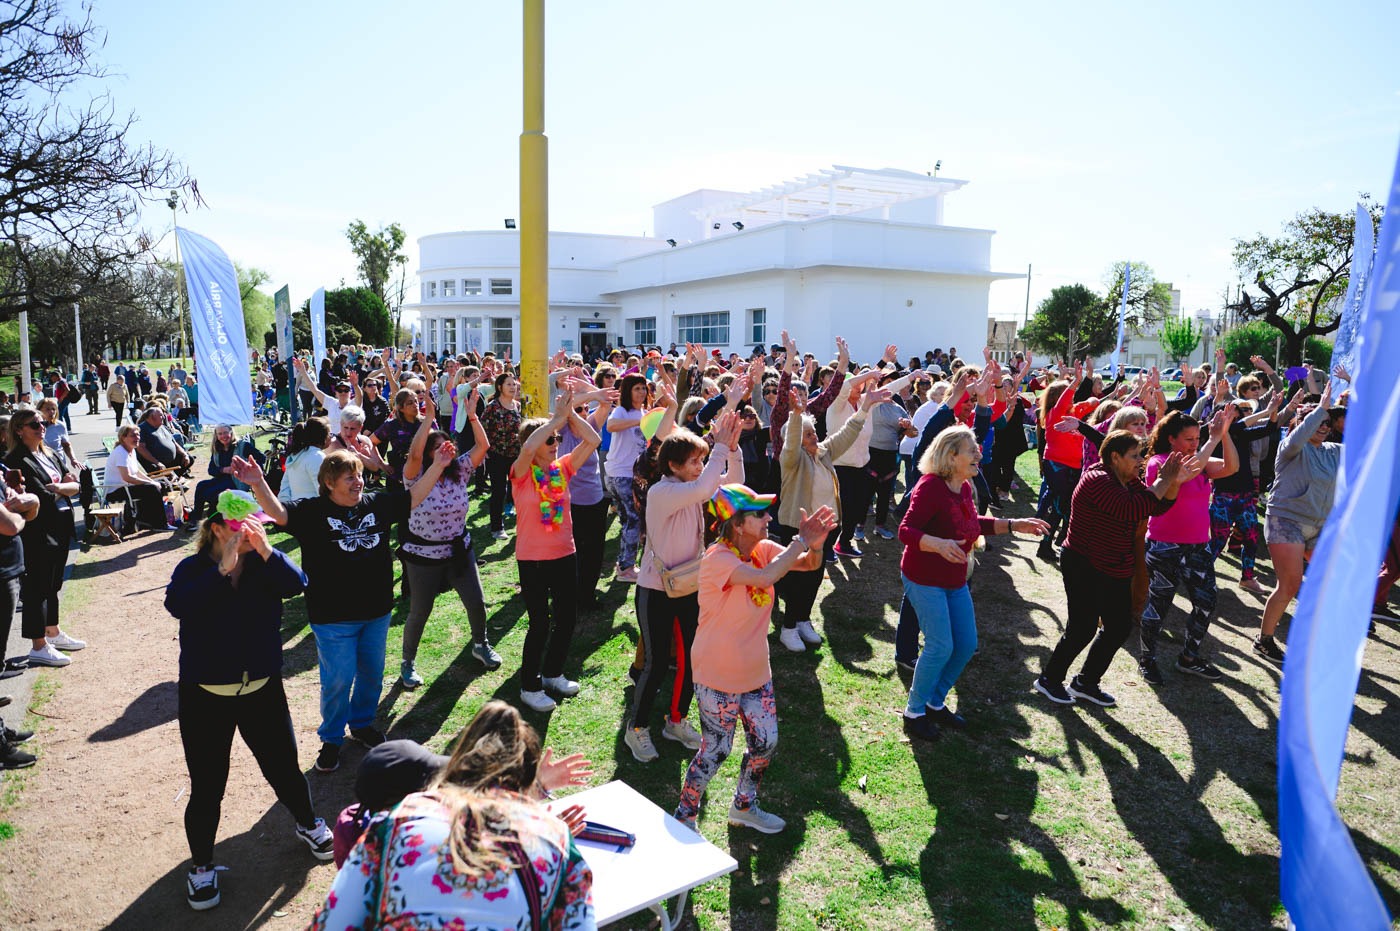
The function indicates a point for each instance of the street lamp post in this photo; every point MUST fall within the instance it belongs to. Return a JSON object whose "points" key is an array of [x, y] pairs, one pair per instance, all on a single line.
{"points": [[25, 371], [173, 202]]}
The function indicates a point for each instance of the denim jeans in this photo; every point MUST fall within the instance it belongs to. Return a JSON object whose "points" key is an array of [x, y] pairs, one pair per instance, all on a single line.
{"points": [[630, 533], [352, 674], [950, 637]]}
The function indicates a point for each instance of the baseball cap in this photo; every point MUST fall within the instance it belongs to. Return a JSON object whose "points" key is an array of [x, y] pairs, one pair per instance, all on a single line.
{"points": [[731, 499], [392, 770]]}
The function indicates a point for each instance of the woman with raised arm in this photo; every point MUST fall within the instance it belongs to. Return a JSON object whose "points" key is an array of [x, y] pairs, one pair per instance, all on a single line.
{"points": [[396, 434], [349, 566], [435, 547], [588, 501], [733, 680], [544, 549], [810, 483], [501, 421], [628, 445], [1178, 541], [1097, 561], [228, 599], [938, 532], [667, 599], [1305, 478]]}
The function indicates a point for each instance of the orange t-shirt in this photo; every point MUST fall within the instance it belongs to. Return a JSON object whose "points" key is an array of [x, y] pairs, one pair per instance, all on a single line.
{"points": [[534, 540], [730, 653]]}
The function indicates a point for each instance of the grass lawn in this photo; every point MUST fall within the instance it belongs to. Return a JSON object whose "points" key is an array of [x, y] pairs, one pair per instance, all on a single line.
{"points": [[1159, 813]]}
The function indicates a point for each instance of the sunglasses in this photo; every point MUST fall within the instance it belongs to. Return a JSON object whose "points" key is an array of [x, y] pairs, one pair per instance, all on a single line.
{"points": [[768, 391], [553, 440], [33, 423]]}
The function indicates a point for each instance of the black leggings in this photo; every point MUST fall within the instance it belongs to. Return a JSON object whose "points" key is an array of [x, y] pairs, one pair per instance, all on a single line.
{"points": [[882, 469], [498, 469], [148, 504], [856, 491], [1092, 597], [207, 723], [590, 527], [542, 582], [43, 577], [661, 618], [798, 589]]}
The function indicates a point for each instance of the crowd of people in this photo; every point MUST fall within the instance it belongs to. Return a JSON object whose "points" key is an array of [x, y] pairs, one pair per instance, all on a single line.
{"points": [[735, 482]]}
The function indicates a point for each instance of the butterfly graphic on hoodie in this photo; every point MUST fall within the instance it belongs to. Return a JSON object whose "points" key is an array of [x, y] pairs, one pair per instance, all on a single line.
{"points": [[352, 536]]}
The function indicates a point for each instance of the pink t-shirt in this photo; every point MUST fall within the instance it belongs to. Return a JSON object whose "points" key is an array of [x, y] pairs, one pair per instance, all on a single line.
{"points": [[536, 539], [731, 644], [1187, 521]]}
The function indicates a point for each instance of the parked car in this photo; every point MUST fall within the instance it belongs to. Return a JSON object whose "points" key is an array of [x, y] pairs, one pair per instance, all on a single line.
{"points": [[1129, 371], [1172, 374]]}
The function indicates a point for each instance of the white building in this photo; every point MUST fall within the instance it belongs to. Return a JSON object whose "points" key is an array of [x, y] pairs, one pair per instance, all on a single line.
{"points": [[859, 253]]}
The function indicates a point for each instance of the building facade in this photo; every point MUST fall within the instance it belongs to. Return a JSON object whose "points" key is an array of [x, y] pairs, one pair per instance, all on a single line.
{"points": [[858, 253]]}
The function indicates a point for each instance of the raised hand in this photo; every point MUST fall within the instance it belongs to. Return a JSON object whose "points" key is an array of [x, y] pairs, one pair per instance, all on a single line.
{"points": [[246, 471], [892, 354], [1067, 424], [1191, 466], [797, 400], [255, 536], [873, 397], [1171, 469], [725, 429], [843, 354], [444, 454], [572, 770], [1340, 371], [813, 528], [737, 390]]}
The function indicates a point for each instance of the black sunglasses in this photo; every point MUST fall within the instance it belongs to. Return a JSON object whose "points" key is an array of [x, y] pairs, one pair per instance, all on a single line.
{"points": [[553, 439]]}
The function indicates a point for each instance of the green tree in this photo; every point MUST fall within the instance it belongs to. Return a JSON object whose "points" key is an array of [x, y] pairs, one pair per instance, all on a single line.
{"points": [[362, 309], [1301, 276], [1149, 300], [1179, 337], [380, 254], [258, 309], [1071, 323], [1257, 338]]}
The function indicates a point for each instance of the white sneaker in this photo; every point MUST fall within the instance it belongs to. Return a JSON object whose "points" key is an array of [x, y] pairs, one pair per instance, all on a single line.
{"points": [[48, 655], [791, 639], [638, 740], [539, 701], [65, 642], [682, 732], [499, 535], [808, 633], [628, 576], [756, 818], [561, 685], [319, 838]]}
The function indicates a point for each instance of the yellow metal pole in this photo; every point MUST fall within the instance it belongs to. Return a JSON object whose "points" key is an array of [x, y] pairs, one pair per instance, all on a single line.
{"points": [[534, 220]]}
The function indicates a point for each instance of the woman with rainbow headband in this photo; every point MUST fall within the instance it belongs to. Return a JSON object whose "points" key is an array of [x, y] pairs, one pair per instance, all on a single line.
{"points": [[544, 548], [733, 681]]}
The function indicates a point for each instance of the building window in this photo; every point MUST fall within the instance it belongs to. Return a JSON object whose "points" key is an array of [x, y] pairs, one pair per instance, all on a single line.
{"points": [[706, 329], [432, 335], [502, 334], [501, 286], [471, 334], [449, 288], [758, 325], [449, 335], [644, 331], [471, 287], [432, 290]]}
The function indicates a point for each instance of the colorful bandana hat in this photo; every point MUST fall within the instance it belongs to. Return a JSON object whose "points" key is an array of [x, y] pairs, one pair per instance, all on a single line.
{"points": [[237, 506], [731, 499]]}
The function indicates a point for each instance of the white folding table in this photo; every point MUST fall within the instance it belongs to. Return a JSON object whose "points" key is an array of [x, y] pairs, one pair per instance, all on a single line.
{"points": [[668, 859]]}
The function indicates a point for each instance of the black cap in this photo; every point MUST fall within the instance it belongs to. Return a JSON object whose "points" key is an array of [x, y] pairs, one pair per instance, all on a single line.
{"points": [[394, 769]]}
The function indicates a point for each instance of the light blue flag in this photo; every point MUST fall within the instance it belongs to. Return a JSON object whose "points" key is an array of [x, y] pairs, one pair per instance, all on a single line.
{"points": [[1122, 316], [1324, 882], [1363, 245], [318, 330], [220, 346]]}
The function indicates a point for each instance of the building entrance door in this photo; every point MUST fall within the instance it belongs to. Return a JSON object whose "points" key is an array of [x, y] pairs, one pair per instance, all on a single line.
{"points": [[592, 334]]}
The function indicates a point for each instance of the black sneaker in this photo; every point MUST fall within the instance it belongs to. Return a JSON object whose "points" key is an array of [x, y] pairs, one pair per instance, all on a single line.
{"points": [[1268, 649], [634, 674], [1147, 666], [906, 664], [1046, 551], [946, 717], [1198, 666], [369, 736], [320, 839], [16, 737], [1385, 613], [328, 760], [1054, 691], [202, 887], [920, 728], [12, 757], [1080, 689]]}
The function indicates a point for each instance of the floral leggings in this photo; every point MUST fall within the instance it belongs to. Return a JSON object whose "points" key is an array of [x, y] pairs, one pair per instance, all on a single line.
{"points": [[1229, 510], [719, 713], [630, 534]]}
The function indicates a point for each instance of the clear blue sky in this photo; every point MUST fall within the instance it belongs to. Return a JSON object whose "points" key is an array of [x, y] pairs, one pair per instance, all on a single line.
{"points": [[1090, 132]]}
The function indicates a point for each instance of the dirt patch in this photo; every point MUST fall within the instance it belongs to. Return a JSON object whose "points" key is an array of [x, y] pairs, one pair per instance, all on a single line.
{"points": [[100, 838]]}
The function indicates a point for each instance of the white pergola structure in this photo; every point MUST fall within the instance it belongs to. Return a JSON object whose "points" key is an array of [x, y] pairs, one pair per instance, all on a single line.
{"points": [[837, 191]]}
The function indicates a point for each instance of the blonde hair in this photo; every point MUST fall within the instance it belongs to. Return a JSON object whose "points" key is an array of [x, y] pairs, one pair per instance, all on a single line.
{"points": [[938, 458], [338, 463], [214, 438], [1125, 416]]}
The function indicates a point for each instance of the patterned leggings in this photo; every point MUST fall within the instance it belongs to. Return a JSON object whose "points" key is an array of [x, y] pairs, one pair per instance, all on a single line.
{"points": [[719, 713], [1229, 510], [1169, 564]]}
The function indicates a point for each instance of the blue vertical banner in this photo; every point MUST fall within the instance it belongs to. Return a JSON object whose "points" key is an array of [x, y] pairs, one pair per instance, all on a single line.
{"points": [[220, 347], [1363, 245], [1324, 882], [282, 324], [1122, 316], [318, 331]]}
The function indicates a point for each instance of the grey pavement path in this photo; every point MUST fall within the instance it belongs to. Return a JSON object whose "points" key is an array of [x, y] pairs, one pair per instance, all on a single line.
{"points": [[86, 439]]}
